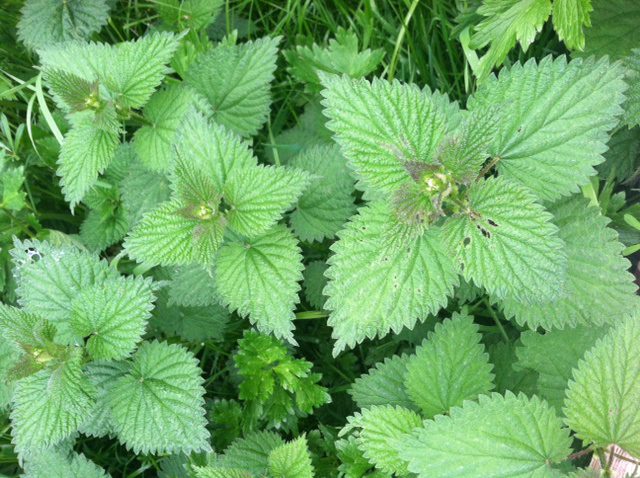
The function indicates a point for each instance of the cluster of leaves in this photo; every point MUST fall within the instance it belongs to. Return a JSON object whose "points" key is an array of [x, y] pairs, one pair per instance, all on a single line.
{"points": [[392, 205]]}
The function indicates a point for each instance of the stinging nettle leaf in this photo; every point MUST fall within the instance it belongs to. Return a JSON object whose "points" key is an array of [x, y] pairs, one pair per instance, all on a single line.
{"points": [[601, 402], [506, 242], [158, 405], [613, 29], [44, 22], [411, 279], [558, 121], [498, 436], [382, 126], [598, 288], [451, 366], [291, 460], [259, 278], [113, 316], [236, 79]]}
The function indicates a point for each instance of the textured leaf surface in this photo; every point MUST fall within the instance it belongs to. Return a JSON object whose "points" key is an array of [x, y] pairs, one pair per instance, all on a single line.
{"points": [[291, 460], [235, 79], [569, 19], [613, 29], [553, 356], [375, 287], [383, 384], [259, 278], [505, 22], [50, 278], [142, 191], [192, 14], [259, 195], [158, 406], [559, 117], [500, 436], [168, 236], [632, 106], [192, 286], [87, 150], [602, 398], [43, 22], [327, 204], [49, 463], [381, 432], [598, 289], [113, 316], [507, 243], [165, 111], [251, 453], [314, 283], [51, 404], [623, 156], [448, 368], [381, 126]]}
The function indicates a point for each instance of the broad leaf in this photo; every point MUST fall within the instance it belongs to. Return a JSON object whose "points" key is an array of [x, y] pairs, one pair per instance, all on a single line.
{"points": [[499, 436], [553, 356], [192, 286], [236, 79], [448, 368], [291, 460], [43, 22], [251, 453], [410, 280], [559, 119], [505, 242], [113, 316], [598, 289], [381, 127], [314, 283], [327, 204], [51, 404], [257, 197], [613, 29], [601, 403], [158, 406], [383, 384], [51, 462], [259, 278], [381, 430]]}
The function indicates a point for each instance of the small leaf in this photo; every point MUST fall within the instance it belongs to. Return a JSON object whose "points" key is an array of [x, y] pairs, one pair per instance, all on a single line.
{"points": [[569, 18], [291, 460]]}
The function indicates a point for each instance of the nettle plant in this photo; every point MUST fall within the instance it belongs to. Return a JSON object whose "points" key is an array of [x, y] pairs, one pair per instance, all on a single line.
{"points": [[431, 205]]}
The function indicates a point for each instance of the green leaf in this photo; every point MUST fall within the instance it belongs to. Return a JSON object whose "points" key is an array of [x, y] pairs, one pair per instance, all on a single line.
{"points": [[51, 462], [107, 221], [498, 436], [24, 329], [621, 160], [173, 235], [133, 70], [142, 191], [381, 430], [192, 323], [553, 356], [192, 286], [213, 149], [598, 287], [613, 29], [251, 453], [257, 197], [189, 14], [88, 148], [507, 22], [51, 404], [158, 406], [71, 92], [291, 460], [505, 242], [340, 56], [49, 278], [569, 18], [210, 472], [259, 278], [113, 316], [448, 368], [507, 376], [601, 402], [314, 283], [383, 384], [323, 209], [412, 279], [236, 79], [632, 106], [165, 112], [43, 22], [557, 131], [382, 126]]}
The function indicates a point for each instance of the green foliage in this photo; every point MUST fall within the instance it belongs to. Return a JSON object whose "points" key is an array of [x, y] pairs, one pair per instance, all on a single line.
{"points": [[601, 399]]}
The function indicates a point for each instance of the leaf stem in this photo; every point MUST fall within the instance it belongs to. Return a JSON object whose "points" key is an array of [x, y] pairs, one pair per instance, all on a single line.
{"points": [[311, 315], [497, 321]]}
